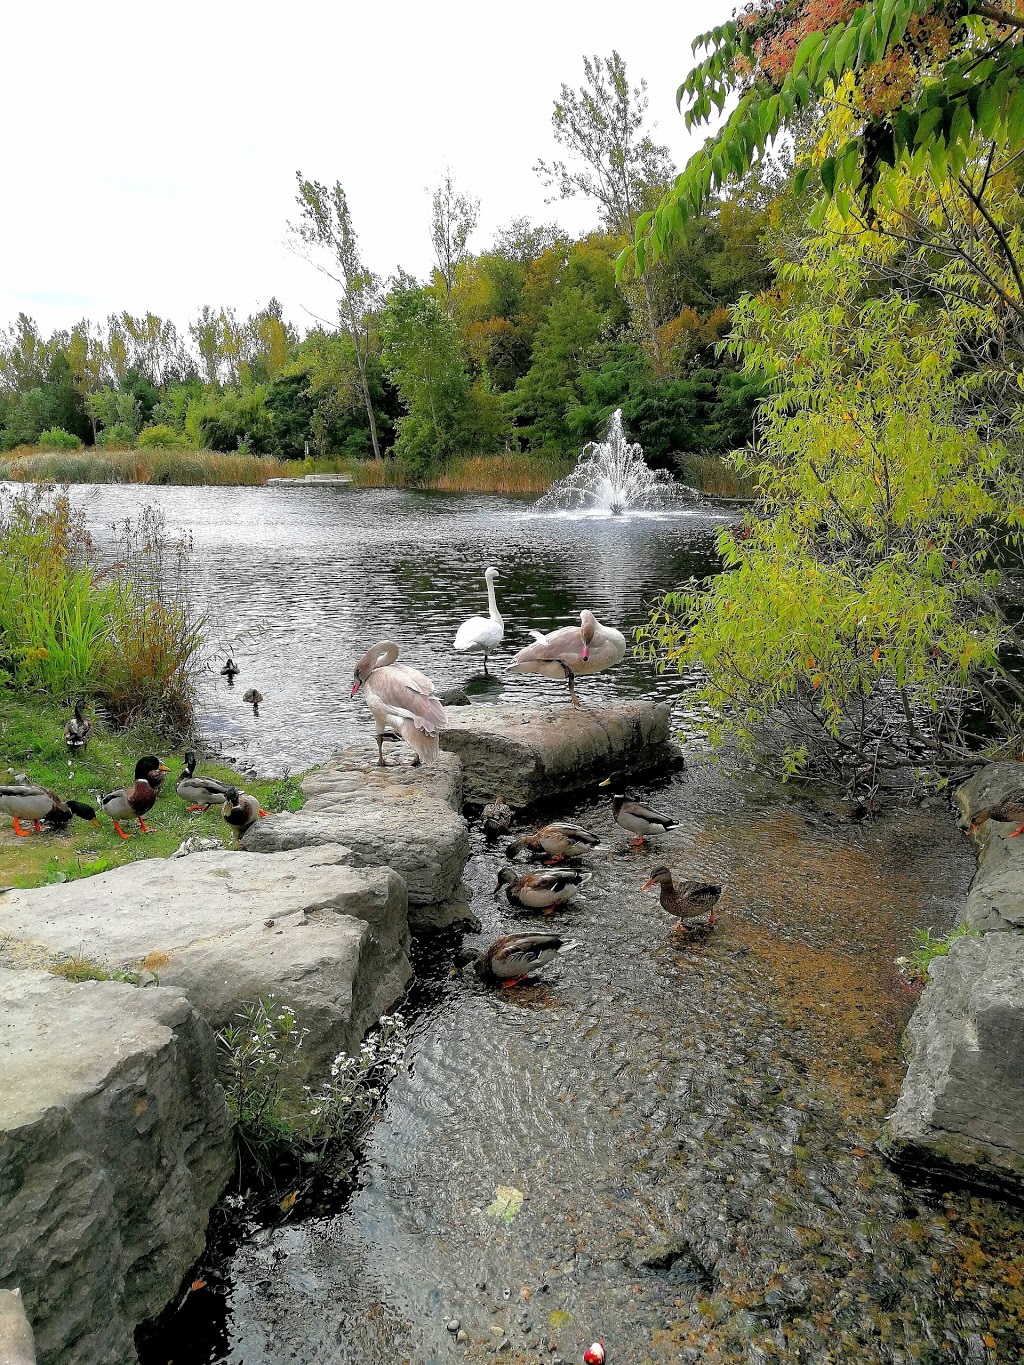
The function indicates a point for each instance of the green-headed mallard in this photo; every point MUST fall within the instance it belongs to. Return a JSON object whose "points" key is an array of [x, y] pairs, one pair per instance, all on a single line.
{"points": [[199, 793], [561, 839], [541, 890], [512, 958], [25, 802], [136, 801], [78, 731], [241, 811], [497, 817], [693, 903]]}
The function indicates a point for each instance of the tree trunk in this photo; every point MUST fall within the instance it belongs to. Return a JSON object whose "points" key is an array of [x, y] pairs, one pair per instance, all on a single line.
{"points": [[368, 403]]}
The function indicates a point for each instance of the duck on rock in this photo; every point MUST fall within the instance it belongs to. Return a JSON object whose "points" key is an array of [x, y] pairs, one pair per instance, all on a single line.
{"points": [[541, 890], [497, 817], [693, 903], [241, 811], [136, 801], [1008, 811]]}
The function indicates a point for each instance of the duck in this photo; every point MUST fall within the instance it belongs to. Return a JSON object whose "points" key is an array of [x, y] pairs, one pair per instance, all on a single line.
{"points": [[572, 652], [637, 818], [483, 633], [253, 698], [510, 960], [198, 793], [400, 698], [693, 903], [136, 801], [23, 801], [78, 731], [230, 670], [1008, 811], [541, 890], [497, 817], [241, 811], [561, 839]]}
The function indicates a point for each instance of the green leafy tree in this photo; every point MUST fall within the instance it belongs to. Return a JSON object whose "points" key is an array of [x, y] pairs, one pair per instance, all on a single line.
{"points": [[564, 344], [452, 220]]}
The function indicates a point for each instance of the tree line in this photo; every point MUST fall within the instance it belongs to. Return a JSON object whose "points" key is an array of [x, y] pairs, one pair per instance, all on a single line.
{"points": [[528, 344]]}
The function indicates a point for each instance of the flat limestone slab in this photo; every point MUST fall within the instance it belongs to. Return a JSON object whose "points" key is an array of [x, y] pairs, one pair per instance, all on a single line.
{"points": [[533, 752], [336, 950], [114, 1145], [408, 818]]}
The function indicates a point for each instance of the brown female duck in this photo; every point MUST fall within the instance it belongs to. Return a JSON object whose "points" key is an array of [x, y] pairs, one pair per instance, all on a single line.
{"points": [[692, 903], [1008, 811]]}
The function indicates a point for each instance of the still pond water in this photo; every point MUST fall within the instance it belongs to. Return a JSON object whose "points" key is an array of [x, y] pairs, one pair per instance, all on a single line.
{"points": [[692, 1127]]}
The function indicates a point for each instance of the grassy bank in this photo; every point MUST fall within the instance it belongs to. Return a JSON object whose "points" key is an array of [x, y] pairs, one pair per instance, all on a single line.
{"points": [[28, 464], [470, 474], [32, 742], [714, 476]]}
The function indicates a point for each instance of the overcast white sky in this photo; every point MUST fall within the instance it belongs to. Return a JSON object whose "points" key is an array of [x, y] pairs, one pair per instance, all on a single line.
{"points": [[150, 149]]}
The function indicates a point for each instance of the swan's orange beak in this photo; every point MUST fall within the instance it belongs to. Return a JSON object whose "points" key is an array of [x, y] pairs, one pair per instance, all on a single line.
{"points": [[355, 687], [648, 885]]}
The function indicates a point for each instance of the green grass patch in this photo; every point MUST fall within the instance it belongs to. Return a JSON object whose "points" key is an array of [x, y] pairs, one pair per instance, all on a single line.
{"points": [[32, 742]]}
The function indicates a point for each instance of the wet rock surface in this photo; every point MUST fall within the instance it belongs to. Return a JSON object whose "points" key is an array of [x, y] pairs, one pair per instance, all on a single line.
{"points": [[535, 752], [114, 1144], [228, 928], [403, 817], [692, 1127], [17, 1345]]}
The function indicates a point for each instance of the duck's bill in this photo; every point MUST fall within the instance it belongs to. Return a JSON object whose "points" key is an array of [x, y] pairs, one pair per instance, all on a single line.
{"points": [[648, 885], [606, 783], [95, 822], [162, 768]]}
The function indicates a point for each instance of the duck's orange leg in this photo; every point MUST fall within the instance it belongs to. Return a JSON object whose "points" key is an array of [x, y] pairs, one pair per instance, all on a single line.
{"points": [[263, 812], [39, 828], [638, 842], [517, 981], [21, 833], [144, 827], [121, 831], [197, 808], [555, 858], [1018, 830]]}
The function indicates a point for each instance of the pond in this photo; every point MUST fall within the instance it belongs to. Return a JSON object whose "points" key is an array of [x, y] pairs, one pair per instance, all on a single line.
{"points": [[692, 1126]]}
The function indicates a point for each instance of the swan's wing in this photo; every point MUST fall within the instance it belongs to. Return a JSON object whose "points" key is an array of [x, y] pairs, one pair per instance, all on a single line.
{"points": [[468, 634], [411, 677], [407, 701], [565, 643]]}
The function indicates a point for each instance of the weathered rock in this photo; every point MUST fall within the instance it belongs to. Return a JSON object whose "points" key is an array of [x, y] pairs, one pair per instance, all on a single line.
{"points": [[16, 1342], [336, 950], [996, 899], [961, 1109], [532, 752], [404, 817], [114, 1145]]}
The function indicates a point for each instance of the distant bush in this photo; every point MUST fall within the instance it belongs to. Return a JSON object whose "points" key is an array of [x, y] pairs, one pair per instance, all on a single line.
{"points": [[59, 439], [162, 437], [119, 436]]}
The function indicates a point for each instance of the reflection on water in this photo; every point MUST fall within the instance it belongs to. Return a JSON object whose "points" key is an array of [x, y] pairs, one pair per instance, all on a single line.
{"points": [[298, 582]]}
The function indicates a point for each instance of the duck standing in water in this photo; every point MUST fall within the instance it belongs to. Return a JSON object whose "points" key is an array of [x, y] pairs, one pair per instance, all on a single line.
{"points": [[400, 698], [561, 839], [693, 903], [78, 731], [511, 959], [241, 811], [637, 818], [1008, 811], [497, 817], [542, 890], [199, 793], [572, 652], [24, 802], [135, 802], [483, 633]]}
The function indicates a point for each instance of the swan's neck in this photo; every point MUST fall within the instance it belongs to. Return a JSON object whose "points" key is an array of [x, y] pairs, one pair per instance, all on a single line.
{"points": [[387, 654], [495, 613]]}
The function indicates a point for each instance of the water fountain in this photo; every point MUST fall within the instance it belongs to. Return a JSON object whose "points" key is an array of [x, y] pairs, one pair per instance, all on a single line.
{"points": [[612, 476]]}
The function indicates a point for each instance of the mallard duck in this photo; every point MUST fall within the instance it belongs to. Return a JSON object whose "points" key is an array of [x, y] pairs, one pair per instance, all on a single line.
{"points": [[637, 818], [135, 802], [561, 839], [400, 698], [25, 802], [241, 810], [230, 670], [497, 817], [692, 903], [572, 652], [511, 959], [541, 890], [198, 793], [78, 730], [1008, 811], [253, 698], [483, 633]]}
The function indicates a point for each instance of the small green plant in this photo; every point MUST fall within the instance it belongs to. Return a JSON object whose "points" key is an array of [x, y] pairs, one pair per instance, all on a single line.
{"points": [[927, 949], [286, 794], [59, 439], [76, 969]]}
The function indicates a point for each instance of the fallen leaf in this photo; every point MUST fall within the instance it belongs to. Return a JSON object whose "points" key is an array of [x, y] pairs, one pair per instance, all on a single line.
{"points": [[288, 1202], [198, 1284], [507, 1203], [875, 656], [559, 1318]]}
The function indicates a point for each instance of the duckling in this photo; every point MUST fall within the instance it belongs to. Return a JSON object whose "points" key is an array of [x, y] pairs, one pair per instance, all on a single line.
{"points": [[561, 839], [693, 903], [78, 731], [241, 810], [25, 802], [1008, 811], [510, 959], [132, 803], [230, 670], [198, 793], [638, 819], [253, 698], [540, 890], [497, 817]]}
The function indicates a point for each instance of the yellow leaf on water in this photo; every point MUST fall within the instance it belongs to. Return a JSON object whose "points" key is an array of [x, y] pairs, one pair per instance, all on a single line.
{"points": [[507, 1203], [559, 1318], [288, 1202]]}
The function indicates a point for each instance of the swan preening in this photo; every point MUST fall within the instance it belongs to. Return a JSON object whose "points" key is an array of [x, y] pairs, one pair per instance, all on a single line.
{"points": [[402, 699], [483, 633], [572, 652]]}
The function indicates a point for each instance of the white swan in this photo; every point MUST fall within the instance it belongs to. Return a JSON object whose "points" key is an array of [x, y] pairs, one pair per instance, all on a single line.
{"points": [[400, 698], [483, 632], [572, 652]]}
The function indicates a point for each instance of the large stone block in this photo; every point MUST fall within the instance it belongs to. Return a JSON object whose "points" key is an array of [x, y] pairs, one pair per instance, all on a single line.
{"points": [[227, 928], [961, 1109], [996, 899], [114, 1145], [534, 752]]}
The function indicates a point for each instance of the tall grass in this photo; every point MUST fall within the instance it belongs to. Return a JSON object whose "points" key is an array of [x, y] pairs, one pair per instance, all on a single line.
{"points": [[27, 464], [510, 473], [123, 634], [715, 476]]}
